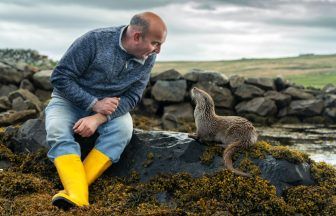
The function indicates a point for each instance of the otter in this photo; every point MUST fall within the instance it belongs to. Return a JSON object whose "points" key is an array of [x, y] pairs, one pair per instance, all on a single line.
{"points": [[233, 132]]}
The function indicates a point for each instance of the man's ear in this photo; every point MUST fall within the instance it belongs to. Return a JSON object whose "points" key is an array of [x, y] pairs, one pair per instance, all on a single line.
{"points": [[137, 36]]}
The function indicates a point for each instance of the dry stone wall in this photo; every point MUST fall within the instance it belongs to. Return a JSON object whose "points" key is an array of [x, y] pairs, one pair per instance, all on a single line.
{"points": [[25, 87]]}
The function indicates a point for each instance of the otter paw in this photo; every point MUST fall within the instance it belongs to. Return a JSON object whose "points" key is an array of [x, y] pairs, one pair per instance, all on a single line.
{"points": [[193, 136]]}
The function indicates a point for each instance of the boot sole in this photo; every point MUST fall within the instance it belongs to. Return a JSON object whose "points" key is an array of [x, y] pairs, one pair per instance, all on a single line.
{"points": [[63, 203]]}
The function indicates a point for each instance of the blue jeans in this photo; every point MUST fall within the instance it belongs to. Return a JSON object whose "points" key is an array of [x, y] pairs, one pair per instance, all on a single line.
{"points": [[61, 115]]}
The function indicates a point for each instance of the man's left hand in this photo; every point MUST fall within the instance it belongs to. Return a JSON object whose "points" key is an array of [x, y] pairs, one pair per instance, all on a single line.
{"points": [[88, 125]]}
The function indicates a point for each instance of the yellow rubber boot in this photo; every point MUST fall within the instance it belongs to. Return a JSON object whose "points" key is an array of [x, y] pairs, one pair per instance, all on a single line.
{"points": [[72, 174], [95, 164]]}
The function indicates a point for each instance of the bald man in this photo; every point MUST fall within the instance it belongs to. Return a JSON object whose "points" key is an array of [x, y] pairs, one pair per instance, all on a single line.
{"points": [[100, 78]]}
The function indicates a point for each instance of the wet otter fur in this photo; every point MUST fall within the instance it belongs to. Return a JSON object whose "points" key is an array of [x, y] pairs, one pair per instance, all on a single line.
{"points": [[233, 132]]}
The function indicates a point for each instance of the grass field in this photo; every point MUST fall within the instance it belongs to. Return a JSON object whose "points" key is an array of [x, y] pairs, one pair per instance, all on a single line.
{"points": [[312, 70]]}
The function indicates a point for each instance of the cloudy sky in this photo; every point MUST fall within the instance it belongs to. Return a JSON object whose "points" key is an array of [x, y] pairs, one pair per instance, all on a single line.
{"points": [[197, 30]]}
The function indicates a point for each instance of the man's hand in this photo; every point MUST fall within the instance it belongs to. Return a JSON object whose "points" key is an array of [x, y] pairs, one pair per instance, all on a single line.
{"points": [[88, 125], [106, 106]]}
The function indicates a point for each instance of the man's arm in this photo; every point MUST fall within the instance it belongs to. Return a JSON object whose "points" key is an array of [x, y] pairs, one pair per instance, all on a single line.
{"points": [[130, 99], [73, 64]]}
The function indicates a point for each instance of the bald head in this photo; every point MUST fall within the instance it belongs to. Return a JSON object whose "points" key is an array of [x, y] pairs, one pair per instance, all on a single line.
{"points": [[148, 23], [144, 35]]}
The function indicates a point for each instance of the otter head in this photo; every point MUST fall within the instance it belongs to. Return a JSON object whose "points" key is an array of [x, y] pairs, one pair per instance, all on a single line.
{"points": [[202, 99]]}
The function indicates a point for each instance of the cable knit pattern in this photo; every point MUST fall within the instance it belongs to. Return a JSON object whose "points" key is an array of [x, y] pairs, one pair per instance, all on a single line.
{"points": [[95, 66]]}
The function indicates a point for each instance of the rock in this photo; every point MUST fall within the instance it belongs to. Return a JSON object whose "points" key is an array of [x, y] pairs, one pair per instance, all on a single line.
{"points": [[331, 112], [260, 120], [235, 81], [260, 105], [175, 115], [173, 152], [150, 105], [289, 120], [196, 75], [284, 174], [28, 97], [10, 74], [18, 104], [283, 112], [31, 137], [298, 93], [329, 88], [224, 112], [306, 107], [42, 79], [314, 120], [263, 83], [11, 116], [192, 75], [169, 91], [43, 95], [280, 83], [4, 103], [171, 74], [330, 100], [281, 100], [213, 77], [26, 84], [6, 89], [222, 96], [247, 91]]}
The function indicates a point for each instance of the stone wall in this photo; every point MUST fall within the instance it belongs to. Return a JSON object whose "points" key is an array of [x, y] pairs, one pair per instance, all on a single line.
{"points": [[24, 88], [262, 100]]}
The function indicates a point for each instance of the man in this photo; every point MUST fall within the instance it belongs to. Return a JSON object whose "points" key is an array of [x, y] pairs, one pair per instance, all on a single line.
{"points": [[100, 78]]}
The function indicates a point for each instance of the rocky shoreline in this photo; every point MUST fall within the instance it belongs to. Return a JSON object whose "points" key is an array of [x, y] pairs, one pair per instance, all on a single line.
{"points": [[165, 172]]}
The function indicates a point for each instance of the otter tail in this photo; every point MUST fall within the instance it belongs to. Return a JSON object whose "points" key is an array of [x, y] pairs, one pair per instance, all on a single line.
{"points": [[227, 156]]}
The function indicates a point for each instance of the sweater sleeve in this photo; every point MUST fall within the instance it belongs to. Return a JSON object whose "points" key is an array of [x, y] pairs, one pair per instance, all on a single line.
{"points": [[73, 64], [132, 96]]}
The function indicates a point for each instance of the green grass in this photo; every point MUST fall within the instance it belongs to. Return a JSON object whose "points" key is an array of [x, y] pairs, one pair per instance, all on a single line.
{"points": [[318, 80], [315, 70]]}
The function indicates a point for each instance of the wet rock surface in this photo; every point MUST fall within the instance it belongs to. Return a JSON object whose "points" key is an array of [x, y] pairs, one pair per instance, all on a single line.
{"points": [[153, 152]]}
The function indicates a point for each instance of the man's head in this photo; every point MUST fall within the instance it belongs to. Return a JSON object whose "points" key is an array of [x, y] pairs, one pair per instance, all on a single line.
{"points": [[145, 35]]}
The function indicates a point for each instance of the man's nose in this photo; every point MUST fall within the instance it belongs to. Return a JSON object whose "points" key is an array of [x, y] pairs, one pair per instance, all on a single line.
{"points": [[158, 49]]}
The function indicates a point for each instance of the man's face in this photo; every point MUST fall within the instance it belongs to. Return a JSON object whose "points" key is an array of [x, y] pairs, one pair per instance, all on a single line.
{"points": [[149, 44]]}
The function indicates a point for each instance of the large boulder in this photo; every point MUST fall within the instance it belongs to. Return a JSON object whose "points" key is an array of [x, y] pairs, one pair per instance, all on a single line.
{"points": [[152, 152], [196, 75], [28, 97], [329, 88], [10, 74], [4, 103], [281, 100], [171, 74], [42, 79], [247, 91], [175, 115], [11, 116], [222, 96], [169, 91], [299, 94], [6, 89], [330, 100], [262, 82], [306, 107], [331, 112], [235, 81], [260, 105]]}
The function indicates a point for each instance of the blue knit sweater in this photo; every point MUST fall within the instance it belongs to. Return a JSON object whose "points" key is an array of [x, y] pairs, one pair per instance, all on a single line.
{"points": [[96, 66]]}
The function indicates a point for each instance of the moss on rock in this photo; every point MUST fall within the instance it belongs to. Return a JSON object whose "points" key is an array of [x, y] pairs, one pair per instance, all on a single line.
{"points": [[27, 188], [13, 184]]}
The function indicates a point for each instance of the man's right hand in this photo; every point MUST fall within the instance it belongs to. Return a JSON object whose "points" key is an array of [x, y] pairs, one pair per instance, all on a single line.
{"points": [[106, 106]]}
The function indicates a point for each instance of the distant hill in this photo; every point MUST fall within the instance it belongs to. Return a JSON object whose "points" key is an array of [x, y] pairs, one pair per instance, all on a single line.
{"points": [[308, 70]]}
